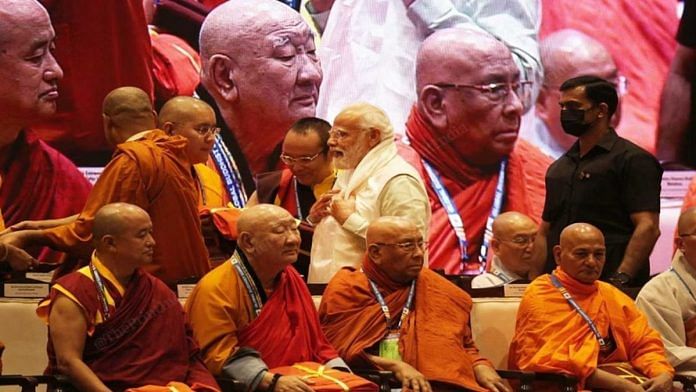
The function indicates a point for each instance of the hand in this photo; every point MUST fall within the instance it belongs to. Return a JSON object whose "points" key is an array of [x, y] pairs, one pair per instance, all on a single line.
{"points": [[322, 207], [411, 379], [342, 208], [488, 378], [293, 383], [30, 225], [18, 259], [661, 383], [20, 239]]}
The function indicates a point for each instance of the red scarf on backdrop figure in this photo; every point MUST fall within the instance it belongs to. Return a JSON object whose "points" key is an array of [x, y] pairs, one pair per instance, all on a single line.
{"points": [[472, 190], [287, 330], [286, 191], [39, 183]]}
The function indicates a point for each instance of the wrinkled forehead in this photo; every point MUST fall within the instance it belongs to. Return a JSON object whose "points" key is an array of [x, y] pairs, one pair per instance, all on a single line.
{"points": [[494, 65], [27, 29], [289, 31]]}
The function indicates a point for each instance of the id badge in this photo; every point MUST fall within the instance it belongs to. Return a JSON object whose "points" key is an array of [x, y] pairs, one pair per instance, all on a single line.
{"points": [[389, 347]]}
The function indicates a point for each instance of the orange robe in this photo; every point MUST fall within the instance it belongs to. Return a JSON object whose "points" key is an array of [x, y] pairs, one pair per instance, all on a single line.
{"points": [[154, 174], [211, 192], [550, 336], [472, 191], [435, 338]]}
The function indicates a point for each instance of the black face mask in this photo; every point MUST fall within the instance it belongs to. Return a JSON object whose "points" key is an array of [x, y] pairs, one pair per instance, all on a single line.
{"points": [[573, 122]]}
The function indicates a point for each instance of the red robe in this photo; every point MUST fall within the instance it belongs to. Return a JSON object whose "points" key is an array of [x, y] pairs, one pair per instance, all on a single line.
{"points": [[472, 191], [39, 183], [101, 45], [145, 341]]}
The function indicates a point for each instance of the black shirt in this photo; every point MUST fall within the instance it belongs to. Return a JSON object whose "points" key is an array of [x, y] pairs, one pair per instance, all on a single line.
{"points": [[613, 180]]}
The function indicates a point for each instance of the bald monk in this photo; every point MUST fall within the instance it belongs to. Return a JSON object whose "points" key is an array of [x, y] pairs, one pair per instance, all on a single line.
{"points": [[37, 181], [668, 299], [154, 172], [551, 334], [425, 338], [513, 251], [106, 320], [260, 68], [566, 54], [463, 140], [254, 312]]}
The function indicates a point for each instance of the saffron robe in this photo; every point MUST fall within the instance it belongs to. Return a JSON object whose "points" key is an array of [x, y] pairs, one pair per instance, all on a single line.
{"points": [[286, 331], [145, 341], [39, 183], [435, 338], [472, 190], [550, 336], [154, 174], [669, 304]]}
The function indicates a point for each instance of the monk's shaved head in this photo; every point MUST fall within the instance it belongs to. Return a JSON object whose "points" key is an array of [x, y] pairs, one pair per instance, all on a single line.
{"points": [[385, 228], [183, 109], [578, 232], [113, 219], [449, 53], [269, 238], [15, 14], [508, 223], [260, 217], [687, 222], [127, 111], [569, 53], [395, 246]]}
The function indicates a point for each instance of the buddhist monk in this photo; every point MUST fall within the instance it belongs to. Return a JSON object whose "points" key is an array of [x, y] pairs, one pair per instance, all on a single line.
{"points": [[254, 312], [107, 321], [154, 171], [260, 68], [570, 322], [424, 337], [37, 181], [668, 299], [463, 139], [304, 187], [513, 250]]}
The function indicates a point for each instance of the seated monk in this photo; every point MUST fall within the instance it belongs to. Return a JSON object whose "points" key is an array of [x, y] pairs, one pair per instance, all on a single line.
{"points": [[107, 321], [424, 337], [254, 313], [304, 187], [154, 171], [570, 322], [513, 249]]}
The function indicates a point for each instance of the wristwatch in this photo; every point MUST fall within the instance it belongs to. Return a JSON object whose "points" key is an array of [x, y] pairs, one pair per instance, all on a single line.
{"points": [[620, 279]]}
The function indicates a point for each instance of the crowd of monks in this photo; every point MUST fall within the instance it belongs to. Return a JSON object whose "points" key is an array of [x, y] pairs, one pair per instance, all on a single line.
{"points": [[245, 191]]}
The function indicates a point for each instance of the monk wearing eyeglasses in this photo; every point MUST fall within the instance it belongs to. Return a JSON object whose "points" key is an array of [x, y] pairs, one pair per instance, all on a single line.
{"points": [[303, 188], [462, 135], [395, 315]]}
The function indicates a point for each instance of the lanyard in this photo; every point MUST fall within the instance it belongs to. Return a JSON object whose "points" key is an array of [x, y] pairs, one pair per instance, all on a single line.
{"points": [[502, 276], [455, 219], [385, 308], [297, 199], [248, 283], [101, 290], [683, 282], [578, 309], [230, 172]]}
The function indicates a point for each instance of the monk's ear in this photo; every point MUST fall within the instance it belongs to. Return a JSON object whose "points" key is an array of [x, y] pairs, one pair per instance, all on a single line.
{"points": [[432, 106], [168, 127], [221, 77], [557, 254], [244, 242], [495, 245], [109, 242], [373, 253]]}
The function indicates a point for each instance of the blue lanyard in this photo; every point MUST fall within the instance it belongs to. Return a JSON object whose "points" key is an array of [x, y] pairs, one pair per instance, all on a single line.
{"points": [[297, 199], [248, 283], [455, 219], [385, 309], [230, 172], [578, 309], [101, 290], [683, 282]]}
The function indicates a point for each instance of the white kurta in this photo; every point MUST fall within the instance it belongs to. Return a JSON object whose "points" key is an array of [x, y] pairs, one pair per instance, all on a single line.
{"points": [[667, 303]]}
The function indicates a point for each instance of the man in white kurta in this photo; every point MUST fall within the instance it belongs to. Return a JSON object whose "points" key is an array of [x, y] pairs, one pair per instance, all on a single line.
{"points": [[669, 303], [372, 181]]}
